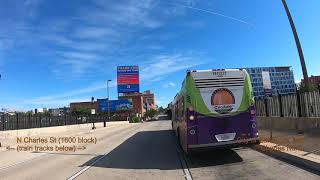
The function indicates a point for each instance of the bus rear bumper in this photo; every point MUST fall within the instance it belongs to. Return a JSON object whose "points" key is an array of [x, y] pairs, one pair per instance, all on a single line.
{"points": [[227, 144]]}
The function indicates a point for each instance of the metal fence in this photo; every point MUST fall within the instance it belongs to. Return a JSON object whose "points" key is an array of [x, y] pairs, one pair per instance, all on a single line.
{"points": [[294, 105], [24, 121]]}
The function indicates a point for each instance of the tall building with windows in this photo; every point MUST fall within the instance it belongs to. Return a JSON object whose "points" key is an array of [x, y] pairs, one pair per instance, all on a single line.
{"points": [[282, 80]]}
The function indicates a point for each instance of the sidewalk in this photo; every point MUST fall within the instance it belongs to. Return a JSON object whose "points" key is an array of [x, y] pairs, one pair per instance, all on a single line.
{"points": [[9, 138], [299, 148], [308, 142]]}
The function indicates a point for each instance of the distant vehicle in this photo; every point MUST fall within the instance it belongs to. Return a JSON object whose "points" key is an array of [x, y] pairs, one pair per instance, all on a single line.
{"points": [[215, 109]]}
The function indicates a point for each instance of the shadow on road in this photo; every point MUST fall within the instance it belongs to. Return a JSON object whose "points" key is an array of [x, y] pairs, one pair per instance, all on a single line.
{"points": [[213, 158], [160, 118], [157, 150], [163, 117]]}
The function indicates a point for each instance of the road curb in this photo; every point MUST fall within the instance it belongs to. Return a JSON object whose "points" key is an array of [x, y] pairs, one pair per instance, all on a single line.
{"points": [[311, 161]]}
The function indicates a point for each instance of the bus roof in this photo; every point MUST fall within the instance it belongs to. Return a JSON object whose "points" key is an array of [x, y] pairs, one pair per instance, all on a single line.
{"points": [[209, 70]]}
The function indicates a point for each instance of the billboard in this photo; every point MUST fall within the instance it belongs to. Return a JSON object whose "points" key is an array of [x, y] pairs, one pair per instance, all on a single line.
{"points": [[115, 105], [128, 79]]}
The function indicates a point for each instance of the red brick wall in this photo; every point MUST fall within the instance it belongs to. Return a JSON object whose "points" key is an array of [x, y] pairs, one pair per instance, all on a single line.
{"points": [[137, 102]]}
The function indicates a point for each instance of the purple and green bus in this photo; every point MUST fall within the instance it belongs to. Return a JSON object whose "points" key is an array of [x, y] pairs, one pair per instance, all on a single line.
{"points": [[215, 109]]}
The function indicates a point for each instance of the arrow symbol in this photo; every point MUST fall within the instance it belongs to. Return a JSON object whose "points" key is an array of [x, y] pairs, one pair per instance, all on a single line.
{"points": [[82, 148], [10, 148]]}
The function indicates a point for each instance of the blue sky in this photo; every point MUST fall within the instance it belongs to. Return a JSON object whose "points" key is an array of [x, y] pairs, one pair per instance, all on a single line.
{"points": [[55, 52]]}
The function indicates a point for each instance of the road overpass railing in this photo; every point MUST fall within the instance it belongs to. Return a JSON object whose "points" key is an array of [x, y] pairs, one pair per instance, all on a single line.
{"points": [[27, 121]]}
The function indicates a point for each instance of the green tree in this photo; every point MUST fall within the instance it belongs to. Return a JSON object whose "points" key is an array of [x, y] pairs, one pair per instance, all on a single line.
{"points": [[151, 113], [160, 109], [29, 113], [81, 111], [311, 88], [134, 119]]}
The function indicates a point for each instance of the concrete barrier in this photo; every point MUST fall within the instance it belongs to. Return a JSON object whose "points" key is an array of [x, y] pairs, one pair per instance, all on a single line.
{"points": [[289, 123], [55, 129]]}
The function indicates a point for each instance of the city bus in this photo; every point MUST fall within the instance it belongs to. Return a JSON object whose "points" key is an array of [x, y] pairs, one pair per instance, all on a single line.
{"points": [[215, 109]]}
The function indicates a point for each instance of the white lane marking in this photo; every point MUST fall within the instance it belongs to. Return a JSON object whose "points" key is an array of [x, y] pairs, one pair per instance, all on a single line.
{"points": [[86, 168], [183, 161]]}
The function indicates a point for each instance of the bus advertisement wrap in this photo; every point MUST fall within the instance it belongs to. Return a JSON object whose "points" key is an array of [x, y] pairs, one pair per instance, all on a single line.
{"points": [[115, 105], [128, 79]]}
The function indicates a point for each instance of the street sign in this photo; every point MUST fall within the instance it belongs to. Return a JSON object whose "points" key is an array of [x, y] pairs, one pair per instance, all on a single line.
{"points": [[266, 83], [128, 79]]}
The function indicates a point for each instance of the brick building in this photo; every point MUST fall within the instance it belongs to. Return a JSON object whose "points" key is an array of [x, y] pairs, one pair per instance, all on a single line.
{"points": [[141, 101], [137, 102], [59, 111], [148, 100], [86, 105], [313, 80]]}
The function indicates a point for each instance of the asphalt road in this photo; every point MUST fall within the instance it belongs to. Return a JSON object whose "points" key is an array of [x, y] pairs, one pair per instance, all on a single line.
{"points": [[144, 151]]}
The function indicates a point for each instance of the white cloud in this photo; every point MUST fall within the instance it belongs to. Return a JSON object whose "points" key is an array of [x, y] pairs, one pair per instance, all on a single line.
{"points": [[154, 69], [152, 23], [105, 29], [79, 55], [168, 85], [94, 32], [161, 66], [100, 33], [129, 13], [80, 45], [162, 100], [65, 98], [75, 63]]}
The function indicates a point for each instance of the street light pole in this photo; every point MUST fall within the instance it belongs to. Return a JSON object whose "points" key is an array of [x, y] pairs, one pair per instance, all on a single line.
{"points": [[92, 102], [296, 38], [108, 101]]}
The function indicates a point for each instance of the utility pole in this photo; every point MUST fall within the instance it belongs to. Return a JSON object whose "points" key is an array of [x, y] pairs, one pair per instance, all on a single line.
{"points": [[296, 38]]}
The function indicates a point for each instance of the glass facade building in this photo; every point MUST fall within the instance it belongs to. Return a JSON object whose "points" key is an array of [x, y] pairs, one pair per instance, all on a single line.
{"points": [[282, 80]]}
